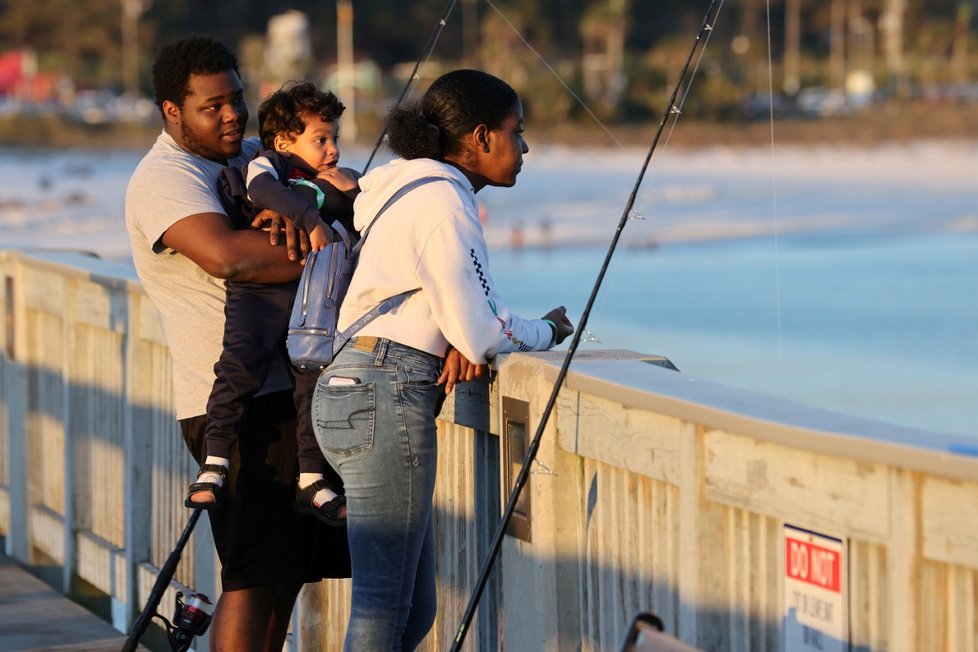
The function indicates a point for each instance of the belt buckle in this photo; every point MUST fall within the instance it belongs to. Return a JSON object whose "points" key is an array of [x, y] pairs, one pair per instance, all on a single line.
{"points": [[366, 343]]}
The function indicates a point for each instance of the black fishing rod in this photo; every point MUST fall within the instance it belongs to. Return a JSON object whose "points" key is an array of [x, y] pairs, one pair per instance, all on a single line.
{"points": [[425, 55], [671, 110], [191, 618]]}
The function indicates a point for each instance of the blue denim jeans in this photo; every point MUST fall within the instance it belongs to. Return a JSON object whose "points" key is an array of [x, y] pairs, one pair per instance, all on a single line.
{"points": [[374, 417]]}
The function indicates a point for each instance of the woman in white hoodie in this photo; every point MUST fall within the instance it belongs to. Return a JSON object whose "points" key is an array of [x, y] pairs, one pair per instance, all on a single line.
{"points": [[375, 405]]}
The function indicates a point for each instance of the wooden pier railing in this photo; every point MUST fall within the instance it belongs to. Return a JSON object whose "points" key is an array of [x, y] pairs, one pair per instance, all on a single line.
{"points": [[744, 521]]}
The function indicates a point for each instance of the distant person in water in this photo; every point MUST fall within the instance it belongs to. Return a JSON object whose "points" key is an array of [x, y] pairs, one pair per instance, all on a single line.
{"points": [[516, 236]]}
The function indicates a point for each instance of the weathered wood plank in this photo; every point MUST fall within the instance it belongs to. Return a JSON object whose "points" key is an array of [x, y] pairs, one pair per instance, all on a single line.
{"points": [[950, 521], [99, 306], [822, 492], [44, 290], [47, 533], [640, 441], [102, 565]]}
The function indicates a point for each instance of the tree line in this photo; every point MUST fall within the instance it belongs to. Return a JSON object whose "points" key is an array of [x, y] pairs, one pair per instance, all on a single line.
{"points": [[620, 55]]}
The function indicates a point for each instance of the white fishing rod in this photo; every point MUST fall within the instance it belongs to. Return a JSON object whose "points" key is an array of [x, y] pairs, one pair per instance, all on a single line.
{"points": [[671, 112]]}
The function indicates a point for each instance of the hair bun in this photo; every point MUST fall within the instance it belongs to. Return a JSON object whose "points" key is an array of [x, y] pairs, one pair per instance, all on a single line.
{"points": [[428, 123]]}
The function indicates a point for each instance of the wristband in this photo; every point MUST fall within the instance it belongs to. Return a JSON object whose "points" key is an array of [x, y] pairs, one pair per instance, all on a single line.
{"points": [[320, 195], [553, 326]]}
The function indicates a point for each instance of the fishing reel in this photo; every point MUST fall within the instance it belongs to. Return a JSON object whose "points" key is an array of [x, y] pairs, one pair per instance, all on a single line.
{"points": [[190, 619]]}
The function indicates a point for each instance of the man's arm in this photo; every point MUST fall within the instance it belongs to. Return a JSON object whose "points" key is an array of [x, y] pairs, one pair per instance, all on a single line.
{"points": [[227, 253]]}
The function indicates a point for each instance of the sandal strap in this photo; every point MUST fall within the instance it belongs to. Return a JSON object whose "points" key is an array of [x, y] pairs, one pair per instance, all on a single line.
{"points": [[332, 507], [198, 487], [214, 487], [321, 483], [220, 469], [334, 503], [210, 486], [306, 495]]}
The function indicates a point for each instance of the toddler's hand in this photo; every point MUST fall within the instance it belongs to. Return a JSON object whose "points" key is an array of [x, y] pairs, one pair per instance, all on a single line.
{"points": [[341, 178], [320, 237]]}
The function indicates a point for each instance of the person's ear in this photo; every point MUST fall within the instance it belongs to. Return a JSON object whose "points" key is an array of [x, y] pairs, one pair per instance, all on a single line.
{"points": [[282, 143], [171, 112], [480, 137]]}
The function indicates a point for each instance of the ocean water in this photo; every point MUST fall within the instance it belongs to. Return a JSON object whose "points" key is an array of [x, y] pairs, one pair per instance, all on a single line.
{"points": [[880, 327], [845, 279]]}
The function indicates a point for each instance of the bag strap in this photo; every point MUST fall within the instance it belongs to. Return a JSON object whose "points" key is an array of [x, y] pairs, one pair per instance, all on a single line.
{"points": [[389, 303], [397, 195], [341, 231]]}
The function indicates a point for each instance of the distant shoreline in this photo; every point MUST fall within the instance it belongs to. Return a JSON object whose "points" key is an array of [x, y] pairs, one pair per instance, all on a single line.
{"points": [[572, 194], [885, 125], [880, 126]]}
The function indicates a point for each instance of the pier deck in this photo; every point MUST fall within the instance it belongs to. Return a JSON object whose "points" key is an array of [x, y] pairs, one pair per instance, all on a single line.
{"points": [[34, 617]]}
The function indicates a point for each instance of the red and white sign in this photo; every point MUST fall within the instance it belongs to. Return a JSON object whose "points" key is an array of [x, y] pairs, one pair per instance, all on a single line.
{"points": [[815, 601], [811, 563]]}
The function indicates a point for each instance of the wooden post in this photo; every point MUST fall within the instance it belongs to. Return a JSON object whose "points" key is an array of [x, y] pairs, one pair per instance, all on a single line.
{"points": [[903, 559], [837, 44], [691, 589], [137, 460], [470, 33], [891, 28], [792, 47], [74, 449], [345, 63], [131, 10], [15, 400]]}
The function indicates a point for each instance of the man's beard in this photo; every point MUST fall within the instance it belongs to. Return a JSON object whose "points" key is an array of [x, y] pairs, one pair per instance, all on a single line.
{"points": [[192, 142]]}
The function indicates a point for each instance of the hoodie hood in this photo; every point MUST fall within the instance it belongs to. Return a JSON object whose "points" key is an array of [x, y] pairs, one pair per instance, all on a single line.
{"points": [[380, 184]]}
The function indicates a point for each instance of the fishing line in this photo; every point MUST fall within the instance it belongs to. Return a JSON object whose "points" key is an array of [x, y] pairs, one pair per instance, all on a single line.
{"points": [[706, 27], [588, 336], [554, 72], [423, 59], [774, 194], [520, 570], [635, 215], [678, 110]]}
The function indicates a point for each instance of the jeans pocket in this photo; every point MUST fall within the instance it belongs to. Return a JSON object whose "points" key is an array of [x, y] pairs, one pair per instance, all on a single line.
{"points": [[345, 417], [419, 373]]}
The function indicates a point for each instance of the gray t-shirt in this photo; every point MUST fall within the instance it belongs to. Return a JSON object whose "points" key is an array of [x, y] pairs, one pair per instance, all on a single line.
{"points": [[168, 185]]}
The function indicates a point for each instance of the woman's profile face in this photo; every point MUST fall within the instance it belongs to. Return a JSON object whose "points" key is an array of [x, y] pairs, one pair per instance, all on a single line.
{"points": [[506, 150]]}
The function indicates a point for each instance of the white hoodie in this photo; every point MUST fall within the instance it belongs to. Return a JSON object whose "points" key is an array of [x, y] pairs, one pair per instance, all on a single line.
{"points": [[431, 238]]}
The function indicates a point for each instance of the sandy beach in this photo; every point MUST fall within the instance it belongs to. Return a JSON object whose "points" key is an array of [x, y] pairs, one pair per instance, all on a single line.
{"points": [[734, 184]]}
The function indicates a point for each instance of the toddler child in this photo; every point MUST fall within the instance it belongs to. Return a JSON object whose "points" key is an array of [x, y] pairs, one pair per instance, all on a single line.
{"points": [[295, 174]]}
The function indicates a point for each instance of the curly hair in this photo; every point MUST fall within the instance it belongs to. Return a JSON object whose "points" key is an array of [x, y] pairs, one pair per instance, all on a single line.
{"points": [[282, 111], [177, 61], [452, 107]]}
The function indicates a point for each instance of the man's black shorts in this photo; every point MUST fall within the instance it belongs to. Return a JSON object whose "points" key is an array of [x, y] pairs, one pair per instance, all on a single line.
{"points": [[259, 539]]}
